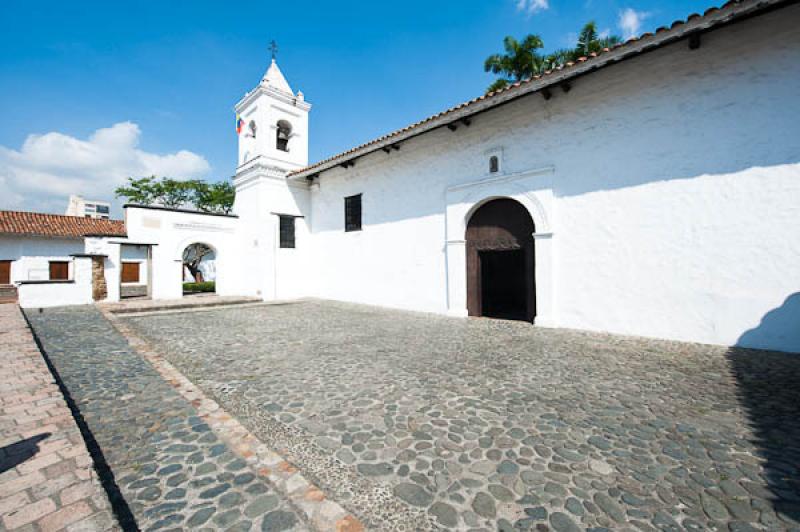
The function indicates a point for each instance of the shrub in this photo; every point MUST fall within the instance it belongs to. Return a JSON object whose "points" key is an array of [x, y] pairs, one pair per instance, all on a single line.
{"points": [[208, 286]]}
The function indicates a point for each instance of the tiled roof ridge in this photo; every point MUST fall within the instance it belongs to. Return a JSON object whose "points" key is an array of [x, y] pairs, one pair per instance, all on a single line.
{"points": [[516, 86], [58, 225]]}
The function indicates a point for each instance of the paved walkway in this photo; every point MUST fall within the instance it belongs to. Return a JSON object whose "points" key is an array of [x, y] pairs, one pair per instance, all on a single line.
{"points": [[47, 481], [486, 425], [170, 467]]}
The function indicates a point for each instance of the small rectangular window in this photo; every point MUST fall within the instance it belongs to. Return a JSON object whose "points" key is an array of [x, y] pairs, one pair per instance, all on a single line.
{"points": [[59, 270], [352, 213], [286, 231], [102, 209]]}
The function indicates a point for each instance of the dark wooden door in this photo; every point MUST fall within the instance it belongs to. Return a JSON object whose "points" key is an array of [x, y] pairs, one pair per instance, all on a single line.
{"points": [[130, 272], [5, 272], [59, 270], [500, 261], [503, 284]]}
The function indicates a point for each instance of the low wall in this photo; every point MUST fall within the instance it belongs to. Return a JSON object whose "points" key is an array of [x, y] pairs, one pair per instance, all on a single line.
{"points": [[76, 291]]}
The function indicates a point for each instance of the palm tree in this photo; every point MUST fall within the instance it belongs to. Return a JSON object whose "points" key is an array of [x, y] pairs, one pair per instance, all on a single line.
{"points": [[520, 61]]}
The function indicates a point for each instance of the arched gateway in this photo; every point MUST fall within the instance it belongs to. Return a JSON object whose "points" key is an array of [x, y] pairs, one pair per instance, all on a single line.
{"points": [[501, 261]]}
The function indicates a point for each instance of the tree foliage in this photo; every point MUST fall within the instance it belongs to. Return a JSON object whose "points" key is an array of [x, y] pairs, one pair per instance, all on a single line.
{"points": [[167, 192], [520, 61], [523, 60]]}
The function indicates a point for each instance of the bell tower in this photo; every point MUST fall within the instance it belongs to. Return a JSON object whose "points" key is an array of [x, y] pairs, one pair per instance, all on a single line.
{"points": [[272, 121], [272, 124]]}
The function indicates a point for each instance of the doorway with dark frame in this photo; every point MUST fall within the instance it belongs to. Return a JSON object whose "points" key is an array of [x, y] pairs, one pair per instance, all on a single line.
{"points": [[501, 261]]}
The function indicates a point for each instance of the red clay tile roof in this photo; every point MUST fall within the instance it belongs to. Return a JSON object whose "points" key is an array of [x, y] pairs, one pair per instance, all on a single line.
{"points": [[694, 24], [55, 225]]}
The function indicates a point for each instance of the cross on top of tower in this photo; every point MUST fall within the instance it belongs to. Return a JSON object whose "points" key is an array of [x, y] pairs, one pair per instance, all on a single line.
{"points": [[273, 48]]}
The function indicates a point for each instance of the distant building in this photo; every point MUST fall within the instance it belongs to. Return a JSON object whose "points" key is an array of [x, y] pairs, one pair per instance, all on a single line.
{"points": [[88, 208]]}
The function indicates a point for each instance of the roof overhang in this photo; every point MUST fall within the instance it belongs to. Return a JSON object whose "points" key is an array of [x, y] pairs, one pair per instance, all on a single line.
{"points": [[714, 18]]}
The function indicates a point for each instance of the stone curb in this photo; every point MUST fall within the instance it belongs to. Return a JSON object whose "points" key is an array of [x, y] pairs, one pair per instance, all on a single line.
{"points": [[322, 513]]}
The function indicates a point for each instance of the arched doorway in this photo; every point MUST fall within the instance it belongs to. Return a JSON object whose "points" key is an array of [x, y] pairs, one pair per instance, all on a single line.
{"points": [[199, 271], [501, 261]]}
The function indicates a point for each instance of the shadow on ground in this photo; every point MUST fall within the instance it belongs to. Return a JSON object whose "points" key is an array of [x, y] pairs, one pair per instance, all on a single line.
{"points": [[21, 451], [769, 390]]}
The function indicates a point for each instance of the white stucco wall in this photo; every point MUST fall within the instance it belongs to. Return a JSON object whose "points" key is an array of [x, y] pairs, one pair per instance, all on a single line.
{"points": [[76, 291], [673, 200], [31, 255]]}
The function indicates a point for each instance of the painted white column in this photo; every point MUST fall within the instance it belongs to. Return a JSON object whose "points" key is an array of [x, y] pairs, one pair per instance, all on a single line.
{"points": [[457, 278], [545, 285]]}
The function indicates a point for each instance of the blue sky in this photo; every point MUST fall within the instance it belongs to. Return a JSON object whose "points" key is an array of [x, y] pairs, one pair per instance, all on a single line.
{"points": [[91, 91]]}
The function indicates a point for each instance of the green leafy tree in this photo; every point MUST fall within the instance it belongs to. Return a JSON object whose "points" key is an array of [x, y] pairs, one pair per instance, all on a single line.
{"points": [[141, 191], [215, 197], [520, 61], [174, 193]]}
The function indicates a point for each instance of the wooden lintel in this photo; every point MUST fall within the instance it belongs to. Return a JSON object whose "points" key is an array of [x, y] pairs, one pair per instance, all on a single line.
{"points": [[452, 127], [566, 86], [694, 41], [546, 94]]}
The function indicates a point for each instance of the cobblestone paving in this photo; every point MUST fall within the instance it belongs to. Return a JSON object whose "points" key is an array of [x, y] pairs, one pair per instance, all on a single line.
{"points": [[492, 425], [170, 467], [47, 479]]}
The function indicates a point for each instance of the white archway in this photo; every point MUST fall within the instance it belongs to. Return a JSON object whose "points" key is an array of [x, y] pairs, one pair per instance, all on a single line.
{"points": [[533, 190], [198, 268]]}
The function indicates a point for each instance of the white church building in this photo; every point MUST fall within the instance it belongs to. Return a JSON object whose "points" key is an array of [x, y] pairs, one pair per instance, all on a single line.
{"points": [[652, 189]]}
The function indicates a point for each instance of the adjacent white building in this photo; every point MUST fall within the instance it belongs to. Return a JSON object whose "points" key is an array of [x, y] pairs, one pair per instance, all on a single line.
{"points": [[652, 189]]}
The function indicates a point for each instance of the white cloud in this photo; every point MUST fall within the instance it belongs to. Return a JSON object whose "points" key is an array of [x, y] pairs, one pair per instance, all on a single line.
{"points": [[532, 7], [48, 168], [630, 21]]}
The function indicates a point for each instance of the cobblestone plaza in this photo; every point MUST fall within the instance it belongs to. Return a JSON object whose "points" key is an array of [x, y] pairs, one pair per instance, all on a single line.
{"points": [[482, 424]]}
